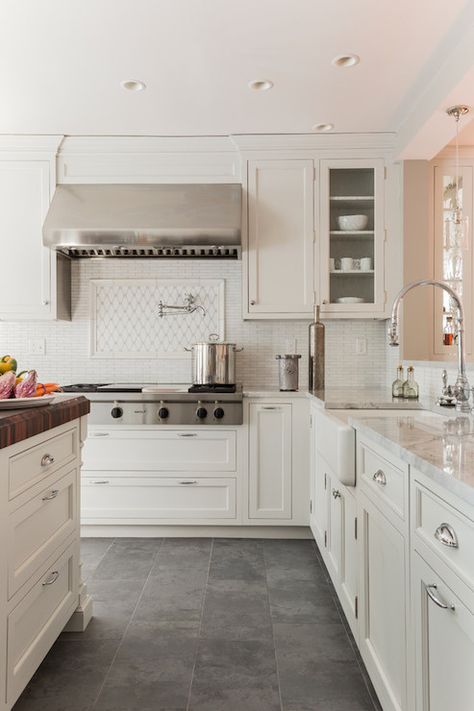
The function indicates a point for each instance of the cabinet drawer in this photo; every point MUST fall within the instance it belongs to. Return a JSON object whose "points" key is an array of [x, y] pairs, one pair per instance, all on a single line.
{"points": [[446, 531], [164, 498], [33, 464], [385, 480], [37, 620], [169, 450], [39, 527]]}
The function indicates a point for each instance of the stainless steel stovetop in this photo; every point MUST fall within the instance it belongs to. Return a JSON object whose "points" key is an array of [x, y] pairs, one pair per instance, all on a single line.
{"points": [[156, 404]]}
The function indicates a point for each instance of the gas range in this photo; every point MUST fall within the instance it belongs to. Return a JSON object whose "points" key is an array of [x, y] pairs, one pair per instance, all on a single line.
{"points": [[156, 404]]}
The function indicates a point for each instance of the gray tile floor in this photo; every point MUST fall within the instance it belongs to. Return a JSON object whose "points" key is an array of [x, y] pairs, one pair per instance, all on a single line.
{"points": [[205, 625]]}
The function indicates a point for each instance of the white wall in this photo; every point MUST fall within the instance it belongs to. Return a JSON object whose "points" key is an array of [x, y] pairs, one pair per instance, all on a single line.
{"points": [[67, 356]]}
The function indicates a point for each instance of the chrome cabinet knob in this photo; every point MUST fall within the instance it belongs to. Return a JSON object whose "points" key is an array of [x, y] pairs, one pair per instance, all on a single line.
{"points": [[252, 302], [336, 494]]}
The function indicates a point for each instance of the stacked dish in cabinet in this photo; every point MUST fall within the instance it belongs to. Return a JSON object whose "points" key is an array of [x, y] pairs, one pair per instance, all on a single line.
{"points": [[351, 235]]}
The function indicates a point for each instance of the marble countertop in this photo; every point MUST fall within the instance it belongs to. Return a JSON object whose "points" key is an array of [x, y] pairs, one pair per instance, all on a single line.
{"points": [[363, 398], [17, 425], [441, 447], [275, 393]]}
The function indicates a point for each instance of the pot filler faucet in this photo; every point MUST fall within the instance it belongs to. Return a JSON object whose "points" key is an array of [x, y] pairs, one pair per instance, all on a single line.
{"points": [[461, 388]]}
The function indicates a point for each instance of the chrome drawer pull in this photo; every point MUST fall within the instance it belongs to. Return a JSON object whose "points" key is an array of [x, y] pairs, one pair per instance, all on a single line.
{"points": [[380, 478], [188, 483], [51, 495], [336, 494], [446, 535], [270, 407], [187, 434], [51, 578], [100, 434], [46, 460], [101, 482], [437, 600]]}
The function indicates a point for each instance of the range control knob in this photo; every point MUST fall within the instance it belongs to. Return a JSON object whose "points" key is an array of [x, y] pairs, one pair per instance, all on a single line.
{"points": [[201, 412], [218, 413], [163, 413], [116, 412]]}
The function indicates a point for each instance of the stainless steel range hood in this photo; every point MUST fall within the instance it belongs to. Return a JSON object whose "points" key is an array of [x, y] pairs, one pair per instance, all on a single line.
{"points": [[191, 220]]}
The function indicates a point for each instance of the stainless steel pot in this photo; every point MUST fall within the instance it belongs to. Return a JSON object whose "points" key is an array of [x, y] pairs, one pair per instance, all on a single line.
{"points": [[213, 363]]}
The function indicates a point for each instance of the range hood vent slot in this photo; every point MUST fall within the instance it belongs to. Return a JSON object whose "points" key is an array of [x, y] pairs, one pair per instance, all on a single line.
{"points": [[191, 252], [191, 221]]}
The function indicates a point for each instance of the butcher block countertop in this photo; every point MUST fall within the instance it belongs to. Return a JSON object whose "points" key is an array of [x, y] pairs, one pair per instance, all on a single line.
{"points": [[17, 425]]}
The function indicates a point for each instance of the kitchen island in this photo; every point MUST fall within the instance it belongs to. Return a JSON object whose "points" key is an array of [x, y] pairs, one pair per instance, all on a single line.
{"points": [[41, 592]]}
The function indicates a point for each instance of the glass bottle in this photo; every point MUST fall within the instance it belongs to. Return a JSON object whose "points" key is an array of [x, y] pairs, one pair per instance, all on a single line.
{"points": [[397, 385], [410, 386], [448, 332]]}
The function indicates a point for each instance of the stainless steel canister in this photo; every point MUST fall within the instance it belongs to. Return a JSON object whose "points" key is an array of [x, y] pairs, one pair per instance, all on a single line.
{"points": [[288, 371], [213, 363]]}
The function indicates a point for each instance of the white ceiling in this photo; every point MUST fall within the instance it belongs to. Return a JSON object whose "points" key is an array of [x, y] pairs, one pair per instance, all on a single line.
{"points": [[62, 61]]}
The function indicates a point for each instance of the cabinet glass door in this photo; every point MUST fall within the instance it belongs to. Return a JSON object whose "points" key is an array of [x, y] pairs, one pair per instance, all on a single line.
{"points": [[352, 237]]}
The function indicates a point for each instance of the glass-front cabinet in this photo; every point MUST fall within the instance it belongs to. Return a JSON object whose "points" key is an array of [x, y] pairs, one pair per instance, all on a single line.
{"points": [[352, 237]]}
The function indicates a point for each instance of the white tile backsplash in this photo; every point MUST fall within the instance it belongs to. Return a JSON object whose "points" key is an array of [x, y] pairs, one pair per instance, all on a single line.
{"points": [[67, 358]]}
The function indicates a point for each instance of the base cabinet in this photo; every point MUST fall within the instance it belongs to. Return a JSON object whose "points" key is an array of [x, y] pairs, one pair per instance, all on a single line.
{"points": [[383, 610], [270, 473], [444, 643]]}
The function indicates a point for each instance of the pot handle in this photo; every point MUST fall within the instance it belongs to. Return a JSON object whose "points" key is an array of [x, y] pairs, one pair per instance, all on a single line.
{"points": [[214, 337], [238, 350], [189, 350]]}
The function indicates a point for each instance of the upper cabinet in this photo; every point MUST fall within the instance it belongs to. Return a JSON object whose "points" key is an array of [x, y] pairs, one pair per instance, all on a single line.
{"points": [[352, 237], [28, 287], [279, 251]]}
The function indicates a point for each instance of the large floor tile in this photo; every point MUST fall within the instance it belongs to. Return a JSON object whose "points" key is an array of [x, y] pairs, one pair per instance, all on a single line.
{"points": [[255, 698], [128, 559], [69, 678], [230, 664], [323, 684], [236, 612], [152, 670], [302, 601], [175, 595], [237, 559]]}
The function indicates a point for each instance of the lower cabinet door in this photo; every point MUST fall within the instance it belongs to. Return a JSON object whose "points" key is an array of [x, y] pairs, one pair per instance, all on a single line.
{"points": [[270, 476], [348, 573], [383, 619], [335, 535], [320, 504], [156, 499], [36, 621], [444, 643]]}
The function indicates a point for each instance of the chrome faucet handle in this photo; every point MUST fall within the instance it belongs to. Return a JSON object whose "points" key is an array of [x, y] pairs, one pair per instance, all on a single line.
{"points": [[444, 377]]}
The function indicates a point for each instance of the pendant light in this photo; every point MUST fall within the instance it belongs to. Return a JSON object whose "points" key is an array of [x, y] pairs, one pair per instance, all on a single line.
{"points": [[457, 225]]}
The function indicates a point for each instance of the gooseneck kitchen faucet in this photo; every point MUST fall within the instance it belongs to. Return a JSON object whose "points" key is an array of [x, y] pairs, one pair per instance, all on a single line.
{"points": [[461, 388]]}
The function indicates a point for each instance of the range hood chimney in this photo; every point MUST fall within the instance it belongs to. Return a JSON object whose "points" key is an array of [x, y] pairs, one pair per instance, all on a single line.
{"points": [[192, 221]]}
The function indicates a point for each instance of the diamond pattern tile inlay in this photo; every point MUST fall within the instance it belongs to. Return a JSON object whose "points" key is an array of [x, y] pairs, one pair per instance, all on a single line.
{"points": [[125, 321]]}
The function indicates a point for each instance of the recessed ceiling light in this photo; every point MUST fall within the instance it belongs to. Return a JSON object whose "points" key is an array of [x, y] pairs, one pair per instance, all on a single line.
{"points": [[346, 60], [322, 127], [260, 84], [133, 85]]}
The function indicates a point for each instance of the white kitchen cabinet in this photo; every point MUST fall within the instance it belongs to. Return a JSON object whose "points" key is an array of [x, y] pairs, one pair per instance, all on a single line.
{"points": [[383, 603], [279, 255], [444, 642], [352, 187], [30, 271], [39, 561], [277, 483], [270, 465]]}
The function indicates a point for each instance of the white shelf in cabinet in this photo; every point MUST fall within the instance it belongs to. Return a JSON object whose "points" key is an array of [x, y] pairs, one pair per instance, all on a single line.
{"points": [[351, 198], [352, 272], [349, 233]]}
